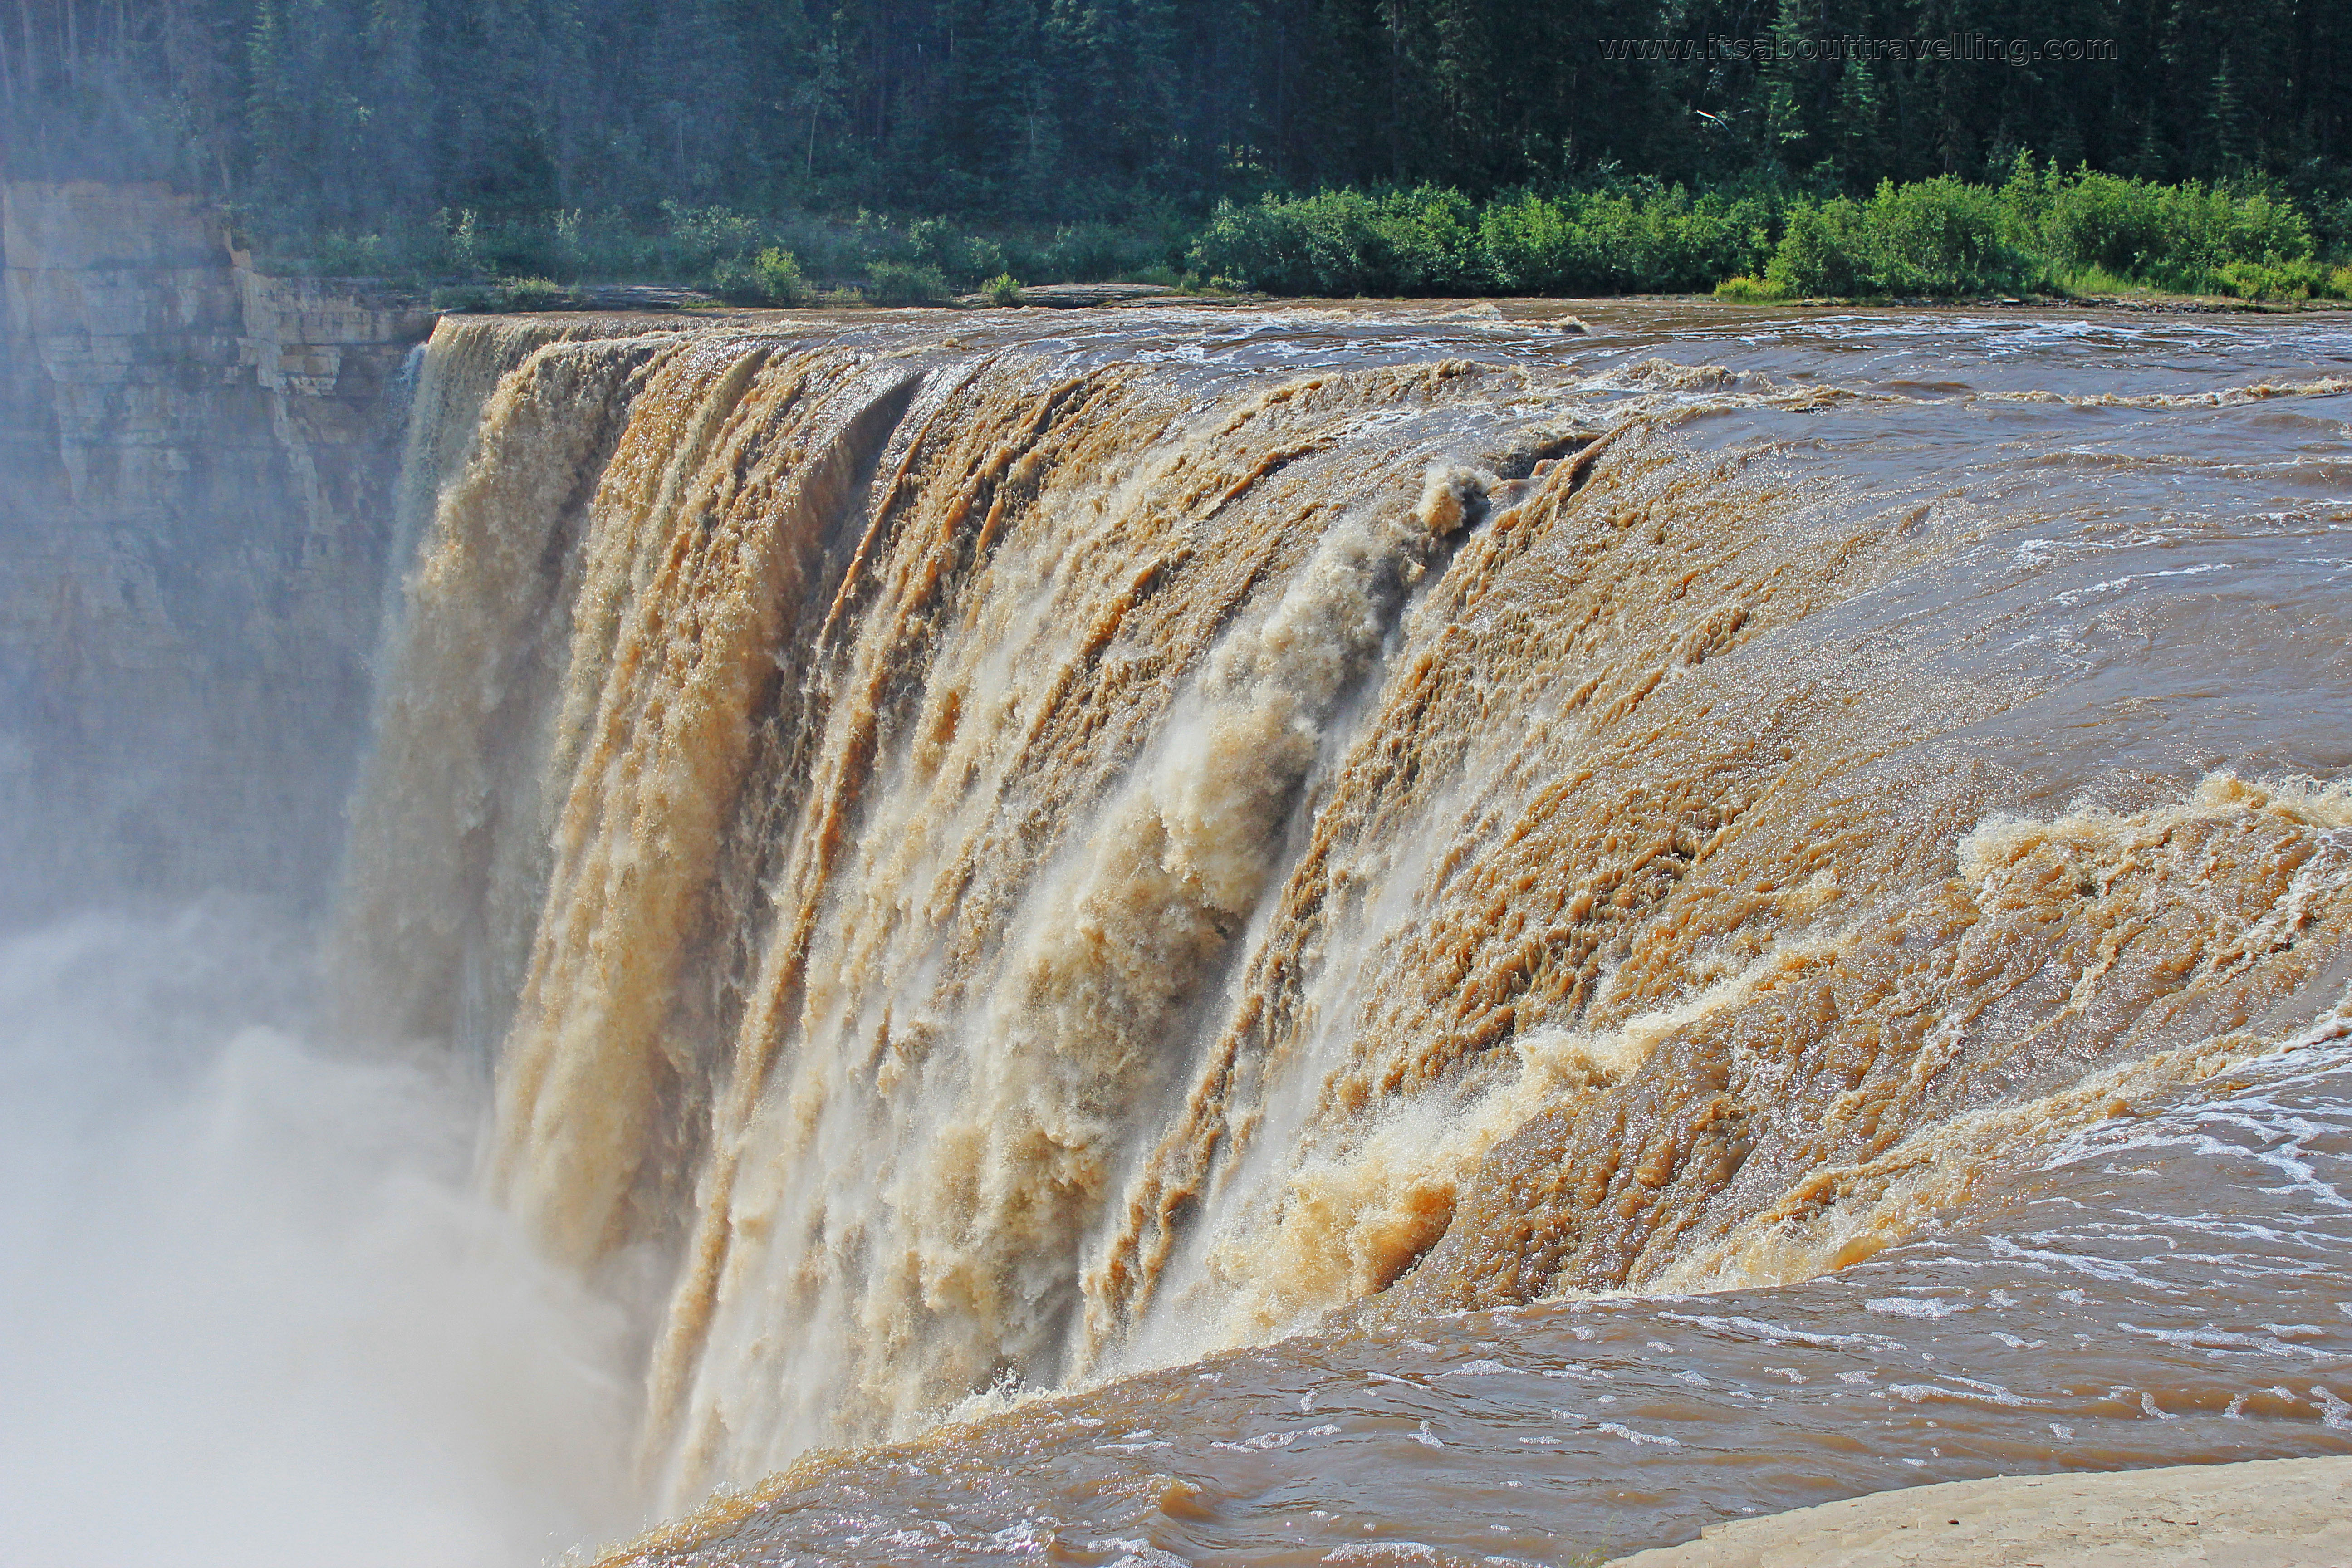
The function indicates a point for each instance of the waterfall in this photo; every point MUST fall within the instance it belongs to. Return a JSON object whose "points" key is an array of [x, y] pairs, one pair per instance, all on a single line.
{"points": [[982, 865]]}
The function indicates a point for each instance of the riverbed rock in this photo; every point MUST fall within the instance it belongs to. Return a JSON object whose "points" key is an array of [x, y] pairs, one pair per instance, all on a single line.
{"points": [[2265, 1513]]}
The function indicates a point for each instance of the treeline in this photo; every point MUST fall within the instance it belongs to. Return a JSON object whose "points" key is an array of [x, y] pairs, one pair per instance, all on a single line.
{"points": [[357, 117]]}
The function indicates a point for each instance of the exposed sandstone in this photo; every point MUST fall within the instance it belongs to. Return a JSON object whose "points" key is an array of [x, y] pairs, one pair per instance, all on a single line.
{"points": [[195, 460], [2268, 1513]]}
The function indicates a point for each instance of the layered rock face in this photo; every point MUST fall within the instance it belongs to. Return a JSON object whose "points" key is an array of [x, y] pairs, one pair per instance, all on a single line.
{"points": [[195, 467]]}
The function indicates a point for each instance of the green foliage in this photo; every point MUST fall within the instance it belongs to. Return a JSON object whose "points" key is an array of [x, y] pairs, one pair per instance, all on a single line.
{"points": [[536, 294], [1002, 289], [1937, 237], [1348, 243], [963, 260], [463, 242], [340, 255], [507, 295], [1432, 241], [1093, 253], [905, 283], [1649, 240], [1747, 290], [2302, 278], [1941, 237], [1824, 250], [701, 240], [772, 277], [2098, 230], [2091, 281], [1409, 147], [1083, 139]]}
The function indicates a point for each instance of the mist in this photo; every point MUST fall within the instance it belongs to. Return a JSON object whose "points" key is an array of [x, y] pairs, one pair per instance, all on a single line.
{"points": [[252, 1301]]}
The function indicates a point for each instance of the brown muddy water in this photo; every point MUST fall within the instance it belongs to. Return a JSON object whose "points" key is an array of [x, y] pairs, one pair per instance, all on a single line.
{"points": [[1810, 957], [1370, 934]]}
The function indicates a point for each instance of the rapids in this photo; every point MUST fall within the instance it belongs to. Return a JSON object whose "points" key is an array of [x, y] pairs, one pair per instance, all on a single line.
{"points": [[1385, 935]]}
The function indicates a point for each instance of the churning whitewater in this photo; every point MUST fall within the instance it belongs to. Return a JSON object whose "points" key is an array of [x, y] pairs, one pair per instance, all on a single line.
{"points": [[994, 859]]}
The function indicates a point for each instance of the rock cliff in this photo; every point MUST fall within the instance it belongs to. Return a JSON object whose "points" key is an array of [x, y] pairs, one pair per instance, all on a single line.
{"points": [[195, 467]]}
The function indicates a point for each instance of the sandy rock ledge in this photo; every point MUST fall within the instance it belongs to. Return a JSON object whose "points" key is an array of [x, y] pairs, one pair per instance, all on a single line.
{"points": [[2268, 1513]]}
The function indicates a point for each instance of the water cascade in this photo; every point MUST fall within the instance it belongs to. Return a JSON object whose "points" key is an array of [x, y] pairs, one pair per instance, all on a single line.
{"points": [[985, 860]]}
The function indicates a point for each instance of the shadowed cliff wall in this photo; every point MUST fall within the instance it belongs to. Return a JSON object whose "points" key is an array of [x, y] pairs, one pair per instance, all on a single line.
{"points": [[195, 462]]}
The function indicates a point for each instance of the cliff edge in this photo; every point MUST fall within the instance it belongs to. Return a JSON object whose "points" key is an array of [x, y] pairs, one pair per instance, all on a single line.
{"points": [[195, 462]]}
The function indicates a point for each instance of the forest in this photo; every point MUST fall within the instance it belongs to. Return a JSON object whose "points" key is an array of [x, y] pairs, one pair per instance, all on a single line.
{"points": [[773, 149]]}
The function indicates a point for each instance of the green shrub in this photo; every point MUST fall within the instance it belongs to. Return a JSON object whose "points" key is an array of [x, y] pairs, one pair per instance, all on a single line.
{"points": [[340, 255], [1348, 244], [2097, 220], [1936, 236], [1431, 237], [507, 294], [1824, 250], [962, 258], [535, 294], [2303, 279], [772, 277], [463, 299], [2095, 281], [1093, 253], [710, 235], [1286, 247], [1535, 245], [2331, 227], [1647, 239], [1747, 290], [905, 283], [1003, 289], [2184, 236], [1940, 236], [2043, 228]]}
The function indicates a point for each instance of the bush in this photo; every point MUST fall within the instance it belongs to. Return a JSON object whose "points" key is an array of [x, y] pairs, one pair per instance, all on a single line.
{"points": [[1940, 236], [1746, 291], [962, 258], [2186, 236], [1431, 240], [905, 283], [535, 294], [1936, 236], [1823, 250], [2043, 228], [773, 278], [1305, 247], [508, 294], [1649, 239], [2303, 279], [1535, 245], [700, 237], [1348, 243], [1093, 253], [2116, 226], [1003, 289]]}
